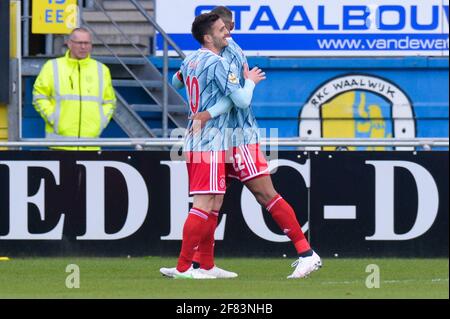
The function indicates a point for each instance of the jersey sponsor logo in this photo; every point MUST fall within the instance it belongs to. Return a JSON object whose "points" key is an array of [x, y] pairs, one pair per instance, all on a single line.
{"points": [[232, 78]]}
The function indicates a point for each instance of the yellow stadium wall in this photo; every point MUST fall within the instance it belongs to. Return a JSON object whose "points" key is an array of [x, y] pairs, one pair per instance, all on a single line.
{"points": [[3, 123]]}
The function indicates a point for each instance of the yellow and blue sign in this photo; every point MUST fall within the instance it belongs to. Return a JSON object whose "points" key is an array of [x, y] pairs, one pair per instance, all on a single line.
{"points": [[358, 106], [357, 114], [54, 16]]}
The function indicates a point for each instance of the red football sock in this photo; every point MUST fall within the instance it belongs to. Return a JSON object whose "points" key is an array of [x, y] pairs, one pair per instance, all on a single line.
{"points": [[284, 216], [193, 231], [205, 253]]}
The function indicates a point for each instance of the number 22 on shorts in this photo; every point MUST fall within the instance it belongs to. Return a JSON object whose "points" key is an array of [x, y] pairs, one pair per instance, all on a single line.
{"points": [[237, 163]]}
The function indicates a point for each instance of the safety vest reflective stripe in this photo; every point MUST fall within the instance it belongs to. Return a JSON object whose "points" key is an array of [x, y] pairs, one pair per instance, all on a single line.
{"points": [[72, 97], [56, 114], [40, 97], [104, 119], [39, 108]]}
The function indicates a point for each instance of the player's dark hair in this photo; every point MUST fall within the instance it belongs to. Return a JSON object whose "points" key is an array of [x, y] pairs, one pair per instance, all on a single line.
{"points": [[224, 13], [202, 25]]}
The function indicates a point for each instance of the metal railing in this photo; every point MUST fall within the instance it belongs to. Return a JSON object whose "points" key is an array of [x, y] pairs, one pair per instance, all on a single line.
{"points": [[26, 17], [139, 144], [167, 39], [93, 4], [165, 70]]}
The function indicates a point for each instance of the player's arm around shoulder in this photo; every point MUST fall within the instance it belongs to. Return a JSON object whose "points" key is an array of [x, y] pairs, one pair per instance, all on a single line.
{"points": [[223, 106], [243, 97], [240, 97]]}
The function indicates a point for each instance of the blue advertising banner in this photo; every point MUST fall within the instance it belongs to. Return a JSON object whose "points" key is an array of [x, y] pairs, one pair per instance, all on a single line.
{"points": [[318, 28]]}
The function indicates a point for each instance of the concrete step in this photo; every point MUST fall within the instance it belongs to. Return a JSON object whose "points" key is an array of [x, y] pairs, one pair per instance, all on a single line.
{"points": [[153, 84], [119, 50], [141, 40], [126, 5], [131, 61], [116, 16], [158, 108], [136, 28], [99, 49]]}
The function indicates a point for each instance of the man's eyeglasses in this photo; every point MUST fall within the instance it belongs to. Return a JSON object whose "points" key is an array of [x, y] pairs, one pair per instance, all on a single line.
{"points": [[81, 43]]}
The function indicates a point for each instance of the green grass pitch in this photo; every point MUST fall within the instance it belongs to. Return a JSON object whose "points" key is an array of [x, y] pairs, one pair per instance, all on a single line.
{"points": [[259, 278]]}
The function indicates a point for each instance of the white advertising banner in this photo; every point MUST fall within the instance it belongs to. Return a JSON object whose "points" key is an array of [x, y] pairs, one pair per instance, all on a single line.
{"points": [[319, 28]]}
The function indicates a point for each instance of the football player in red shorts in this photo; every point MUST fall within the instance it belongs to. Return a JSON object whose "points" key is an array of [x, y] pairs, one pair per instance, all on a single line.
{"points": [[208, 79], [250, 167]]}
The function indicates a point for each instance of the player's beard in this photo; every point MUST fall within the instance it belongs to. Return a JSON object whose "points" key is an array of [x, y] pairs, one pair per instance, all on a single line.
{"points": [[220, 43]]}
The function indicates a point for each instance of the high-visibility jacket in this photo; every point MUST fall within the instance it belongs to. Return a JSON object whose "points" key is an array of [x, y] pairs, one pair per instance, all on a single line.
{"points": [[75, 98]]}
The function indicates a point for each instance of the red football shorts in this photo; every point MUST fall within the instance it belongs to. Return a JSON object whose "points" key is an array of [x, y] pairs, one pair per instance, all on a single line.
{"points": [[206, 172], [246, 162]]}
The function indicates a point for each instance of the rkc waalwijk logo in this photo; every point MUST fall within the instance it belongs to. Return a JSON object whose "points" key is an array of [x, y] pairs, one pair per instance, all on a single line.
{"points": [[357, 106]]}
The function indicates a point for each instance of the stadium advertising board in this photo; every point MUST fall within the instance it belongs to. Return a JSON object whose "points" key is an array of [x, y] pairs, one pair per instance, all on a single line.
{"points": [[379, 203], [319, 28], [135, 203]]}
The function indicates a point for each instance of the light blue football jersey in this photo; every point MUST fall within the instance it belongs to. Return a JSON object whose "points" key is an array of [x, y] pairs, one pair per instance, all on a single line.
{"points": [[208, 77], [241, 121]]}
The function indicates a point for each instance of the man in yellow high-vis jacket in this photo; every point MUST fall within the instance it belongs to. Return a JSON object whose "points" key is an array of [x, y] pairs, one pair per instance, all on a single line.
{"points": [[74, 93]]}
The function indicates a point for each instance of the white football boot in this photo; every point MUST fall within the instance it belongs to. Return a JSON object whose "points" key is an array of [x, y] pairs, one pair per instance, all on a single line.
{"points": [[191, 273], [168, 272], [305, 265], [219, 272]]}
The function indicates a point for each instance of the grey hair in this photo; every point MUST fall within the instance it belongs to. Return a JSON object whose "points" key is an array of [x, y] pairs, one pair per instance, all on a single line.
{"points": [[80, 29]]}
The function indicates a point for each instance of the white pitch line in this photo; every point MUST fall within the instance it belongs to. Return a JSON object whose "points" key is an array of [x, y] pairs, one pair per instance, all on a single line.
{"points": [[349, 282]]}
